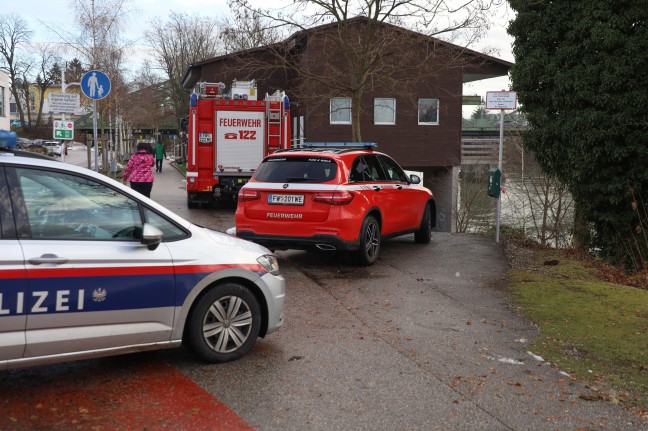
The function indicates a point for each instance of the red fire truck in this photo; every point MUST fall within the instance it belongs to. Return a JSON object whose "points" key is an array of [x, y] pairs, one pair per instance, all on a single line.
{"points": [[229, 133]]}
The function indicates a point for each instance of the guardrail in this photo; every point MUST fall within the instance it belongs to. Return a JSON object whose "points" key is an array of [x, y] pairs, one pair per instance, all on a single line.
{"points": [[479, 151]]}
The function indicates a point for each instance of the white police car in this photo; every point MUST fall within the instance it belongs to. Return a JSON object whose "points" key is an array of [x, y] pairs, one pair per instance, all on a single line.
{"points": [[89, 268]]}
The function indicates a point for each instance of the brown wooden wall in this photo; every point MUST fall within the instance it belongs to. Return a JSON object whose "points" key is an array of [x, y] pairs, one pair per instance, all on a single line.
{"points": [[413, 146]]}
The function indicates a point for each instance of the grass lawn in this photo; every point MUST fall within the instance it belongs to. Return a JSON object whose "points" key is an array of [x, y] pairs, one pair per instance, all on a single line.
{"points": [[181, 167], [593, 329]]}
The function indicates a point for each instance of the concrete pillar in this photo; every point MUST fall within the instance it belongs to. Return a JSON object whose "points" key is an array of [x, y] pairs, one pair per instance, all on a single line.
{"points": [[444, 183]]}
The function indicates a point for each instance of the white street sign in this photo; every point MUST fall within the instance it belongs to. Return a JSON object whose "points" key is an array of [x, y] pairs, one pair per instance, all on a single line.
{"points": [[65, 103], [501, 99]]}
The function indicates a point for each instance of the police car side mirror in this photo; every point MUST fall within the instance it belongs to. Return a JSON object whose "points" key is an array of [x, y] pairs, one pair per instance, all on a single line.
{"points": [[151, 236], [414, 179]]}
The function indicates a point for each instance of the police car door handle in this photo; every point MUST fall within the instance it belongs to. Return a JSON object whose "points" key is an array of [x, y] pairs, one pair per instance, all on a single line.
{"points": [[399, 187], [47, 258], [376, 188]]}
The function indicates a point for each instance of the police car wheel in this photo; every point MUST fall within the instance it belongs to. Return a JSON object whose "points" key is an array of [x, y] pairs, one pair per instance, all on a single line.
{"points": [[224, 324], [424, 234], [367, 253]]}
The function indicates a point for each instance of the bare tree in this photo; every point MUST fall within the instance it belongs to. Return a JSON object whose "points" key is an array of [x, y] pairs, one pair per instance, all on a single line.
{"points": [[97, 35], [152, 108], [247, 30], [14, 37], [538, 203], [177, 43], [48, 73], [97, 40], [373, 54]]}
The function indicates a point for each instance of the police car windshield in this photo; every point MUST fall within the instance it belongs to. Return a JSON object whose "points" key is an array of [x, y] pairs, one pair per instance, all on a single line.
{"points": [[296, 169]]}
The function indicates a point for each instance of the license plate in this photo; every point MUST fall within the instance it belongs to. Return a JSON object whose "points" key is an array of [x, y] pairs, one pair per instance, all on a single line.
{"points": [[286, 199], [204, 138]]}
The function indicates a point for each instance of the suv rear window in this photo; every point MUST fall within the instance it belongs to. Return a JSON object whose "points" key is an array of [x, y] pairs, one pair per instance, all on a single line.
{"points": [[296, 169]]}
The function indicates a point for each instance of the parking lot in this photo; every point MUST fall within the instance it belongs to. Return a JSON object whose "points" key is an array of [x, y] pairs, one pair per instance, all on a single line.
{"points": [[424, 339]]}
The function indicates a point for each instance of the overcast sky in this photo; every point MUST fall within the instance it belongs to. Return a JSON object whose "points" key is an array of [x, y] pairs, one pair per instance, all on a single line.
{"points": [[58, 13]]}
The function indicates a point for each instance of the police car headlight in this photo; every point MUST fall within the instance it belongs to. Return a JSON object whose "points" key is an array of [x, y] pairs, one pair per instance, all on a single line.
{"points": [[270, 263]]}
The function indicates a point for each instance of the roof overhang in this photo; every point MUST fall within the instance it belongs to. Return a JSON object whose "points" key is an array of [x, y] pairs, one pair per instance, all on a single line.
{"points": [[471, 77], [191, 76]]}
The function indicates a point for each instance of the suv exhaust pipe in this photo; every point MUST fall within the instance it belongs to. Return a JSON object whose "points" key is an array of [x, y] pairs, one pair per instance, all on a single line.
{"points": [[326, 247]]}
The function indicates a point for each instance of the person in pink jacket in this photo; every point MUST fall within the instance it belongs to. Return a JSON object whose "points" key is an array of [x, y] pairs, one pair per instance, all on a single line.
{"points": [[138, 170]]}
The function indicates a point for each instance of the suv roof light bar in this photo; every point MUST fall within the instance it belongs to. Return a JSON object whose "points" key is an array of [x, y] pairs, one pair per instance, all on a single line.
{"points": [[367, 145]]}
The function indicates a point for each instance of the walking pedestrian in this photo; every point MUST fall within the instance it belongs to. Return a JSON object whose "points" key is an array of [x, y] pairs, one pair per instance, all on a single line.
{"points": [[160, 155], [139, 170]]}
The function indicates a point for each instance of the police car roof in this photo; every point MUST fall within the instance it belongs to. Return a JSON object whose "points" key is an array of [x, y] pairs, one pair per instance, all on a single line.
{"points": [[29, 154]]}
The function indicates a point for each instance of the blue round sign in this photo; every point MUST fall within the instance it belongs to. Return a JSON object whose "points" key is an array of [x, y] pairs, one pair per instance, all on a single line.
{"points": [[95, 84]]}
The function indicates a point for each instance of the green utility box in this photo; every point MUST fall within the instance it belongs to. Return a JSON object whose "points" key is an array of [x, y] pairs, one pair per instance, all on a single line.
{"points": [[494, 180]]}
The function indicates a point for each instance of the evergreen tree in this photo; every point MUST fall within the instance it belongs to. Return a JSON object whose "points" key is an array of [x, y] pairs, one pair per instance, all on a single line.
{"points": [[74, 71], [581, 74]]}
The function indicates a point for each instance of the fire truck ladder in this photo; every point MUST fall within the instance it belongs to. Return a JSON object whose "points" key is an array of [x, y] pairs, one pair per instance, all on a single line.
{"points": [[275, 111]]}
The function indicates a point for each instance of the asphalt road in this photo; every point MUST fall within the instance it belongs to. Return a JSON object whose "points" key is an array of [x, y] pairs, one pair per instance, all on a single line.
{"points": [[425, 339]]}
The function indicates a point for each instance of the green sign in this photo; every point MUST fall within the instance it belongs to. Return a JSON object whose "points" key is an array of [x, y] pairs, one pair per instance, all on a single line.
{"points": [[63, 134], [471, 100], [64, 129]]}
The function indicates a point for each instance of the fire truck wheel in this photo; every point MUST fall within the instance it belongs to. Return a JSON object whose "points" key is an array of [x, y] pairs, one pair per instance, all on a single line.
{"points": [[224, 324], [191, 204], [367, 253], [424, 234]]}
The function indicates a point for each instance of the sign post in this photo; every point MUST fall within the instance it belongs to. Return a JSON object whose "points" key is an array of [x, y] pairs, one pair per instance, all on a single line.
{"points": [[96, 86], [501, 100]]}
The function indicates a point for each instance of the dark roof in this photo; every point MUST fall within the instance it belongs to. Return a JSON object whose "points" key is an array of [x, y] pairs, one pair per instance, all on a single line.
{"points": [[192, 74]]}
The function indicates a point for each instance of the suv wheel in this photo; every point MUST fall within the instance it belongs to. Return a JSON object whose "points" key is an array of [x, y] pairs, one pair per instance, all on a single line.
{"points": [[424, 234], [224, 324], [367, 253]]}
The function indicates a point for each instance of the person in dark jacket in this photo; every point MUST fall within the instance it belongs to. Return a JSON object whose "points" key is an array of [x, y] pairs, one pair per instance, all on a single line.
{"points": [[160, 155], [138, 170]]}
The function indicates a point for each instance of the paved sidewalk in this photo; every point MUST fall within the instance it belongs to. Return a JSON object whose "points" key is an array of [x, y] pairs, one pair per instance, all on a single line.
{"points": [[165, 185]]}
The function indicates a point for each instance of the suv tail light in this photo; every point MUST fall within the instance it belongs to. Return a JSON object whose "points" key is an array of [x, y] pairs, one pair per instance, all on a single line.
{"points": [[248, 195], [333, 198]]}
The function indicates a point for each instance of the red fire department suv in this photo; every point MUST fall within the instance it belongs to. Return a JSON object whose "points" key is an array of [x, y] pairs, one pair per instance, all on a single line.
{"points": [[338, 197]]}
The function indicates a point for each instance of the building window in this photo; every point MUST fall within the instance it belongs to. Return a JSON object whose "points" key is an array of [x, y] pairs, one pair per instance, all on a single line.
{"points": [[428, 111], [384, 111], [32, 102], [341, 110], [2, 102]]}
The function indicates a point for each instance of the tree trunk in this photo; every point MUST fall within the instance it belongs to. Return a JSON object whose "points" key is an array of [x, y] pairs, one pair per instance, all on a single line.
{"points": [[356, 110]]}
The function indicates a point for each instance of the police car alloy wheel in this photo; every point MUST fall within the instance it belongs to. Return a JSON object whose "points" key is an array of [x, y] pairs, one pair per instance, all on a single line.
{"points": [[224, 324]]}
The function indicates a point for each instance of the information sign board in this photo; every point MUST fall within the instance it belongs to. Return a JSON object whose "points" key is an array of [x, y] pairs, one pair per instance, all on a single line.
{"points": [[501, 100], [65, 103]]}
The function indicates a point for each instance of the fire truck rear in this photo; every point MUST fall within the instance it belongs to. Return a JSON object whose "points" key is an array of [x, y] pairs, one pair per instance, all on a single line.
{"points": [[228, 136]]}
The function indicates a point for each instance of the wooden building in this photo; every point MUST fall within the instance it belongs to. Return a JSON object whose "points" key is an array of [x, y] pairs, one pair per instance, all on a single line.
{"points": [[402, 88]]}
